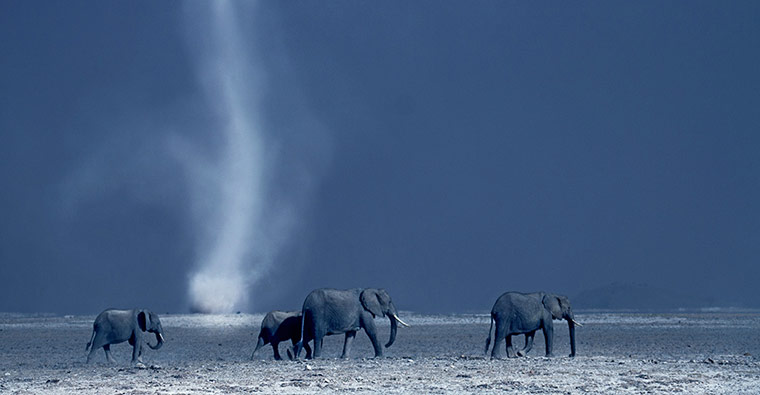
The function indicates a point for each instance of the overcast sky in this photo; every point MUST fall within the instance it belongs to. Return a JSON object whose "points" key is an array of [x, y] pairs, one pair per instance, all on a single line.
{"points": [[447, 151]]}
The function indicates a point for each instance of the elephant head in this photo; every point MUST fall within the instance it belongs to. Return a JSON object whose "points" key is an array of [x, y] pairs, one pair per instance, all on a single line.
{"points": [[378, 303], [559, 307], [148, 322]]}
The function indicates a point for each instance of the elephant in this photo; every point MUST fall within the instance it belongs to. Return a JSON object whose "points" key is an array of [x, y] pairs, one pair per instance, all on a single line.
{"points": [[116, 326], [332, 311], [524, 313], [278, 326]]}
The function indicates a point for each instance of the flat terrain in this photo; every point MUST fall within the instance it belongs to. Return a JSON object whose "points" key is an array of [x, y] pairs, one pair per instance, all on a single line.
{"points": [[704, 352]]}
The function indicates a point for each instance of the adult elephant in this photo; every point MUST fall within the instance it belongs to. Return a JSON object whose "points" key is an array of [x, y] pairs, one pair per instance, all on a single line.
{"points": [[519, 313], [117, 326], [278, 326], [332, 311]]}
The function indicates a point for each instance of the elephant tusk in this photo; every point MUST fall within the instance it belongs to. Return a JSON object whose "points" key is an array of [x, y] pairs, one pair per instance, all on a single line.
{"points": [[576, 323], [399, 320], [161, 336]]}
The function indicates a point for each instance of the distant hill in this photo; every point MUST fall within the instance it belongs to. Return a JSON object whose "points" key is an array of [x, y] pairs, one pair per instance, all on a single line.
{"points": [[638, 297]]}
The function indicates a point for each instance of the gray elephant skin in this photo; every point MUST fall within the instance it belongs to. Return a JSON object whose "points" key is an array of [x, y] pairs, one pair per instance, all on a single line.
{"points": [[332, 311], [516, 313], [278, 326], [117, 326]]}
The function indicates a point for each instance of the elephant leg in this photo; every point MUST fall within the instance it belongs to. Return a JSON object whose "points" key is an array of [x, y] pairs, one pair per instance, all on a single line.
{"points": [[510, 351], [98, 342], [347, 343], [109, 357], [548, 337], [90, 354], [136, 351], [498, 338], [276, 349], [137, 346], [291, 355], [369, 327], [308, 350], [318, 345], [528, 344], [317, 349], [301, 344], [259, 344], [305, 346]]}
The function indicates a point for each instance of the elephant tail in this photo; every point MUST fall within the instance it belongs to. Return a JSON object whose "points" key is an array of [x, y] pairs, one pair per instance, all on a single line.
{"points": [[488, 339], [298, 346], [92, 338]]}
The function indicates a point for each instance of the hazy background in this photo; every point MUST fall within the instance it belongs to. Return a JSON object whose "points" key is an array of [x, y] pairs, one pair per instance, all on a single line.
{"points": [[447, 151]]}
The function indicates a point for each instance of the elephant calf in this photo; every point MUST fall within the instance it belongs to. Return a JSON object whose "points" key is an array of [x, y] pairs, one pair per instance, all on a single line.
{"points": [[279, 326], [517, 313], [117, 326]]}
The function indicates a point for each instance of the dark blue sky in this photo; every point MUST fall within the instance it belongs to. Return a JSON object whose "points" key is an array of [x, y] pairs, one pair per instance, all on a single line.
{"points": [[447, 151]]}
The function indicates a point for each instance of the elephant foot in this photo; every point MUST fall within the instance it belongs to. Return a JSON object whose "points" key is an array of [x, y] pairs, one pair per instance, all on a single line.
{"points": [[571, 355], [521, 353]]}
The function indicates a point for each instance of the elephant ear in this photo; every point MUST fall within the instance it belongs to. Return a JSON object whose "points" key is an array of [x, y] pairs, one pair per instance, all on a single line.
{"points": [[153, 318], [551, 303], [371, 302], [143, 321]]}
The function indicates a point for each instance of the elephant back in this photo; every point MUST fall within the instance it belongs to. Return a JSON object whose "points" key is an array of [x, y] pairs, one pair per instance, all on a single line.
{"points": [[332, 309]]}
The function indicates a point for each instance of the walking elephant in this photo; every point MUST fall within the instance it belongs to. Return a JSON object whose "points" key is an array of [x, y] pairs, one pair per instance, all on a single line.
{"points": [[117, 326], [278, 326], [518, 313], [332, 311]]}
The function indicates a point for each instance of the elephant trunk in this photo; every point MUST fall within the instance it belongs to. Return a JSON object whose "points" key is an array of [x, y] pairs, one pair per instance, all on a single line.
{"points": [[159, 340], [571, 328], [394, 326]]}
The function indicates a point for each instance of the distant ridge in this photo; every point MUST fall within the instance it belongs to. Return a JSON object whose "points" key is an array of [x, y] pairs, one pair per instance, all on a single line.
{"points": [[637, 296]]}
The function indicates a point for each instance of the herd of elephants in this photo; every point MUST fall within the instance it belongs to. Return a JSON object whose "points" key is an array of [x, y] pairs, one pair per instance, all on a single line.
{"points": [[332, 311]]}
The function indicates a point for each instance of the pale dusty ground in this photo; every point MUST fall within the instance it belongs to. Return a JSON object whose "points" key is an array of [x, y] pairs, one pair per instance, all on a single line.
{"points": [[714, 352]]}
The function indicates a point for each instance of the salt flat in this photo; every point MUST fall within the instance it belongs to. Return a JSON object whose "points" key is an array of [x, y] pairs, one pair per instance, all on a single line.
{"points": [[618, 352]]}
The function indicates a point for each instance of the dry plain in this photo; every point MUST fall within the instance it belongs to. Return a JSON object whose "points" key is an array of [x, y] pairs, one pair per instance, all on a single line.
{"points": [[618, 352]]}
